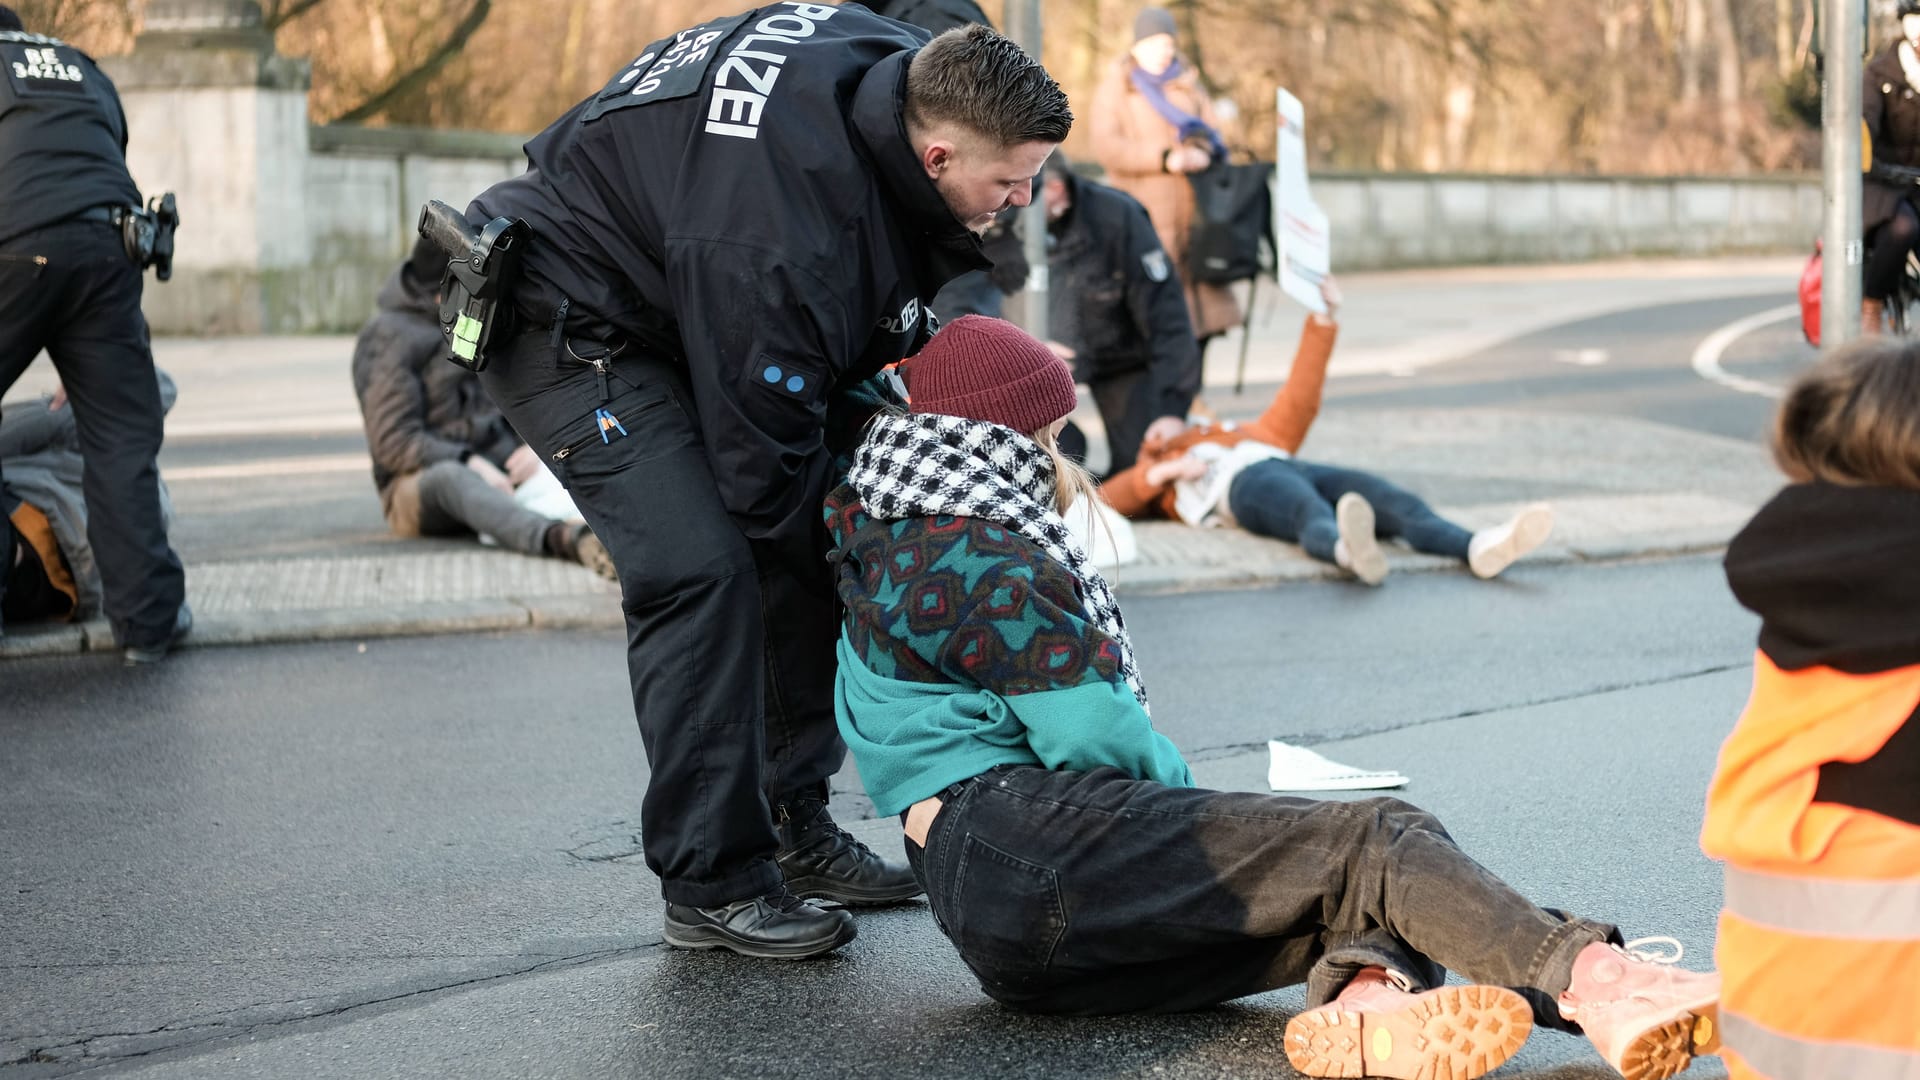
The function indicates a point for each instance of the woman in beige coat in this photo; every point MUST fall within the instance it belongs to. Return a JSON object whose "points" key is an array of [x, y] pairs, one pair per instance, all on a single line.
{"points": [[1152, 125]]}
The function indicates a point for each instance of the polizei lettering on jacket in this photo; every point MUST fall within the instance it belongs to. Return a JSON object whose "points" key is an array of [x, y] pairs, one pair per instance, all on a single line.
{"points": [[745, 80]]}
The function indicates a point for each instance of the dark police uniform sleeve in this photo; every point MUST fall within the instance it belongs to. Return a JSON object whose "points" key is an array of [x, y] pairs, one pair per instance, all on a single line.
{"points": [[762, 362], [1158, 307]]}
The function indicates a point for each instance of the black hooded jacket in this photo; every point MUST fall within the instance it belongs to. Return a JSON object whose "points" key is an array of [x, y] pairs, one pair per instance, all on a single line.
{"points": [[751, 180], [420, 408]]}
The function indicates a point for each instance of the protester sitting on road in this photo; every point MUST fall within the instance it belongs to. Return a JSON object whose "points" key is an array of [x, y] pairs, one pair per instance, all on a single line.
{"points": [[1115, 309], [1226, 474], [47, 566], [1815, 807], [445, 461], [990, 694], [1152, 125], [1890, 106]]}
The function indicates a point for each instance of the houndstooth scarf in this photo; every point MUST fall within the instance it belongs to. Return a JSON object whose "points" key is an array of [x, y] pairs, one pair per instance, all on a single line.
{"points": [[926, 464]]}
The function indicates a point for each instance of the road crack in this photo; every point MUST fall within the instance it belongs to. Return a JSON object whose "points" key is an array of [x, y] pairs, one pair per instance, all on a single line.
{"points": [[204, 1028], [1227, 750]]}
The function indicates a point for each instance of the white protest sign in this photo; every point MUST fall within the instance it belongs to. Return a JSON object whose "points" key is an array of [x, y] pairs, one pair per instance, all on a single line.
{"points": [[1300, 224]]}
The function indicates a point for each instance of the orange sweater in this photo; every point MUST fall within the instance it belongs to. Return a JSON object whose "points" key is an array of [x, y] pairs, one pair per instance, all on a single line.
{"points": [[1284, 425]]}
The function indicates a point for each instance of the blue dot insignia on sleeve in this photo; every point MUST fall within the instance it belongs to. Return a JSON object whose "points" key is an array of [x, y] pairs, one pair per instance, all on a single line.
{"points": [[796, 384], [772, 374]]}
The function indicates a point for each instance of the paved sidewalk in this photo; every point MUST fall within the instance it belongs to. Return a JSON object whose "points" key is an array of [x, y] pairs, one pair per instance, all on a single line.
{"points": [[1621, 488]]}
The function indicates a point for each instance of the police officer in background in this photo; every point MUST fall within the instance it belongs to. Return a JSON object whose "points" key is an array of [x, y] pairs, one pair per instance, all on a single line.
{"points": [[1115, 304], [741, 227], [69, 286]]}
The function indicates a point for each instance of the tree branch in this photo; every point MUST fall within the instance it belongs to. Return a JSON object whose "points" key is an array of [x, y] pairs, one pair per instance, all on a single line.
{"points": [[419, 76], [281, 13]]}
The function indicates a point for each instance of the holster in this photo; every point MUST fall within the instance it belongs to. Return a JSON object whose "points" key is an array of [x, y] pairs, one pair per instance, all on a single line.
{"points": [[483, 265]]}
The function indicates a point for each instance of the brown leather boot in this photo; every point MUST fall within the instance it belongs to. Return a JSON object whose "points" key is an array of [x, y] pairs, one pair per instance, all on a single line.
{"points": [[1873, 317]]}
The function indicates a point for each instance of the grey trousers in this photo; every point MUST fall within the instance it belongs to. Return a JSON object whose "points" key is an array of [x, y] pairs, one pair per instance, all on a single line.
{"points": [[449, 499]]}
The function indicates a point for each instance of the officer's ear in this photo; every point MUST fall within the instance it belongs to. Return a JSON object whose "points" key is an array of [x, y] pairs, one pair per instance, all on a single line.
{"points": [[937, 156]]}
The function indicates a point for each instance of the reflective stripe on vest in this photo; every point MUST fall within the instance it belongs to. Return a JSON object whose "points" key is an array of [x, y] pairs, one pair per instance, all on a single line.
{"points": [[1824, 907], [1780, 1057]]}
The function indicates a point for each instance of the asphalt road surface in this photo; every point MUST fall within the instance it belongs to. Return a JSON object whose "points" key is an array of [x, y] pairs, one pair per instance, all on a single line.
{"points": [[418, 858]]}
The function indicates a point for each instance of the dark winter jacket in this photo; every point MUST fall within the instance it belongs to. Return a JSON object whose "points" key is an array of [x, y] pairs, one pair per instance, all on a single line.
{"points": [[1891, 109], [749, 179], [933, 16], [418, 406], [1115, 297], [63, 136], [41, 464]]}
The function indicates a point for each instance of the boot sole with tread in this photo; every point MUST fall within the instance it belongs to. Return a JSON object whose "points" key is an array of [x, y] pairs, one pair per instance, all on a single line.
{"points": [[1668, 1049], [1453, 1033]]}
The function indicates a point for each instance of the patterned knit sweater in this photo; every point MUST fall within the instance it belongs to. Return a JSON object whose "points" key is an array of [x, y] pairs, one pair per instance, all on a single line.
{"points": [[966, 647]]}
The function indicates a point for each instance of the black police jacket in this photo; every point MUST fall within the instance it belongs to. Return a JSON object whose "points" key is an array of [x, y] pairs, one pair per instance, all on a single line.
{"points": [[751, 180], [63, 136], [1115, 297]]}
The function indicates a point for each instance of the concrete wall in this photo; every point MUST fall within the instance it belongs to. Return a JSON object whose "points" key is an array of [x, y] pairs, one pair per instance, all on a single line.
{"points": [[366, 188], [342, 209], [1382, 221]]}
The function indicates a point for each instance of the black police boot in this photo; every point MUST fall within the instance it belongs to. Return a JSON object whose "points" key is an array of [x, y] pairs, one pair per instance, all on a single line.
{"points": [[142, 655], [821, 860], [776, 926]]}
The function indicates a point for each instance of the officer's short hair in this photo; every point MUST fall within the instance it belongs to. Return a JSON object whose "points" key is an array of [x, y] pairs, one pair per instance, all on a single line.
{"points": [[9, 20], [976, 78]]}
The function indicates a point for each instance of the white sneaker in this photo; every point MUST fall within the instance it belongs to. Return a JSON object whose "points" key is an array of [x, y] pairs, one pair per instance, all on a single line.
{"points": [[1493, 550], [1359, 550]]}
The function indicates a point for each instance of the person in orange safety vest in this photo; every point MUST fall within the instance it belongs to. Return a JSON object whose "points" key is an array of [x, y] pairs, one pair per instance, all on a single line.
{"points": [[1815, 807]]}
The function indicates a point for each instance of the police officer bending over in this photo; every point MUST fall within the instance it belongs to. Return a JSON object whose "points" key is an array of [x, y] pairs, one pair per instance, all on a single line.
{"points": [[742, 225], [1115, 302], [69, 285]]}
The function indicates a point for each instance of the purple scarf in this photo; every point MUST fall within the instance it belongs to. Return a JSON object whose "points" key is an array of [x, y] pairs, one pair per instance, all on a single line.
{"points": [[1154, 89]]}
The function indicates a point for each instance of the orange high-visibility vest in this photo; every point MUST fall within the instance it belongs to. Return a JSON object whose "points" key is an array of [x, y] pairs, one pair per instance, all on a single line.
{"points": [[1819, 943]]}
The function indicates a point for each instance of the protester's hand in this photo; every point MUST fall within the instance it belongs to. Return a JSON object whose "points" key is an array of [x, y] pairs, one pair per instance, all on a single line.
{"points": [[1186, 159], [487, 471], [1330, 295], [522, 465], [1163, 429], [59, 399], [1184, 467], [1061, 351]]}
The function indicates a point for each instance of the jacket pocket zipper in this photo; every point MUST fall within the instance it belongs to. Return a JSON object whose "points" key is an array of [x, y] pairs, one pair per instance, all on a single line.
{"points": [[570, 449]]}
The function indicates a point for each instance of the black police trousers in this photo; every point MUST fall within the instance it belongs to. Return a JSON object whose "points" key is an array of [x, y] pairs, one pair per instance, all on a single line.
{"points": [[731, 656], [71, 290]]}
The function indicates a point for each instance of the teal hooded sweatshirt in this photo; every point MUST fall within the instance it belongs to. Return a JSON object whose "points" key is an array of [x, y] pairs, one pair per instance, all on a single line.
{"points": [[965, 646]]}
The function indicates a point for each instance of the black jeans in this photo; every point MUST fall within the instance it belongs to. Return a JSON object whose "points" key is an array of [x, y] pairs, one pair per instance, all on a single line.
{"points": [[1892, 241], [1289, 499], [1123, 404], [71, 290], [732, 661], [1091, 893]]}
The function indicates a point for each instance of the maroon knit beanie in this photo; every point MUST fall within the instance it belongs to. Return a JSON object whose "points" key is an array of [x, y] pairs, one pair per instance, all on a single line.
{"points": [[989, 369]]}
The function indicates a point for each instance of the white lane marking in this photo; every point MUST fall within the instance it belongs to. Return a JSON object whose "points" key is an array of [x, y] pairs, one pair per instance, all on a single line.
{"points": [[1581, 357], [310, 465], [1706, 358], [322, 423]]}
